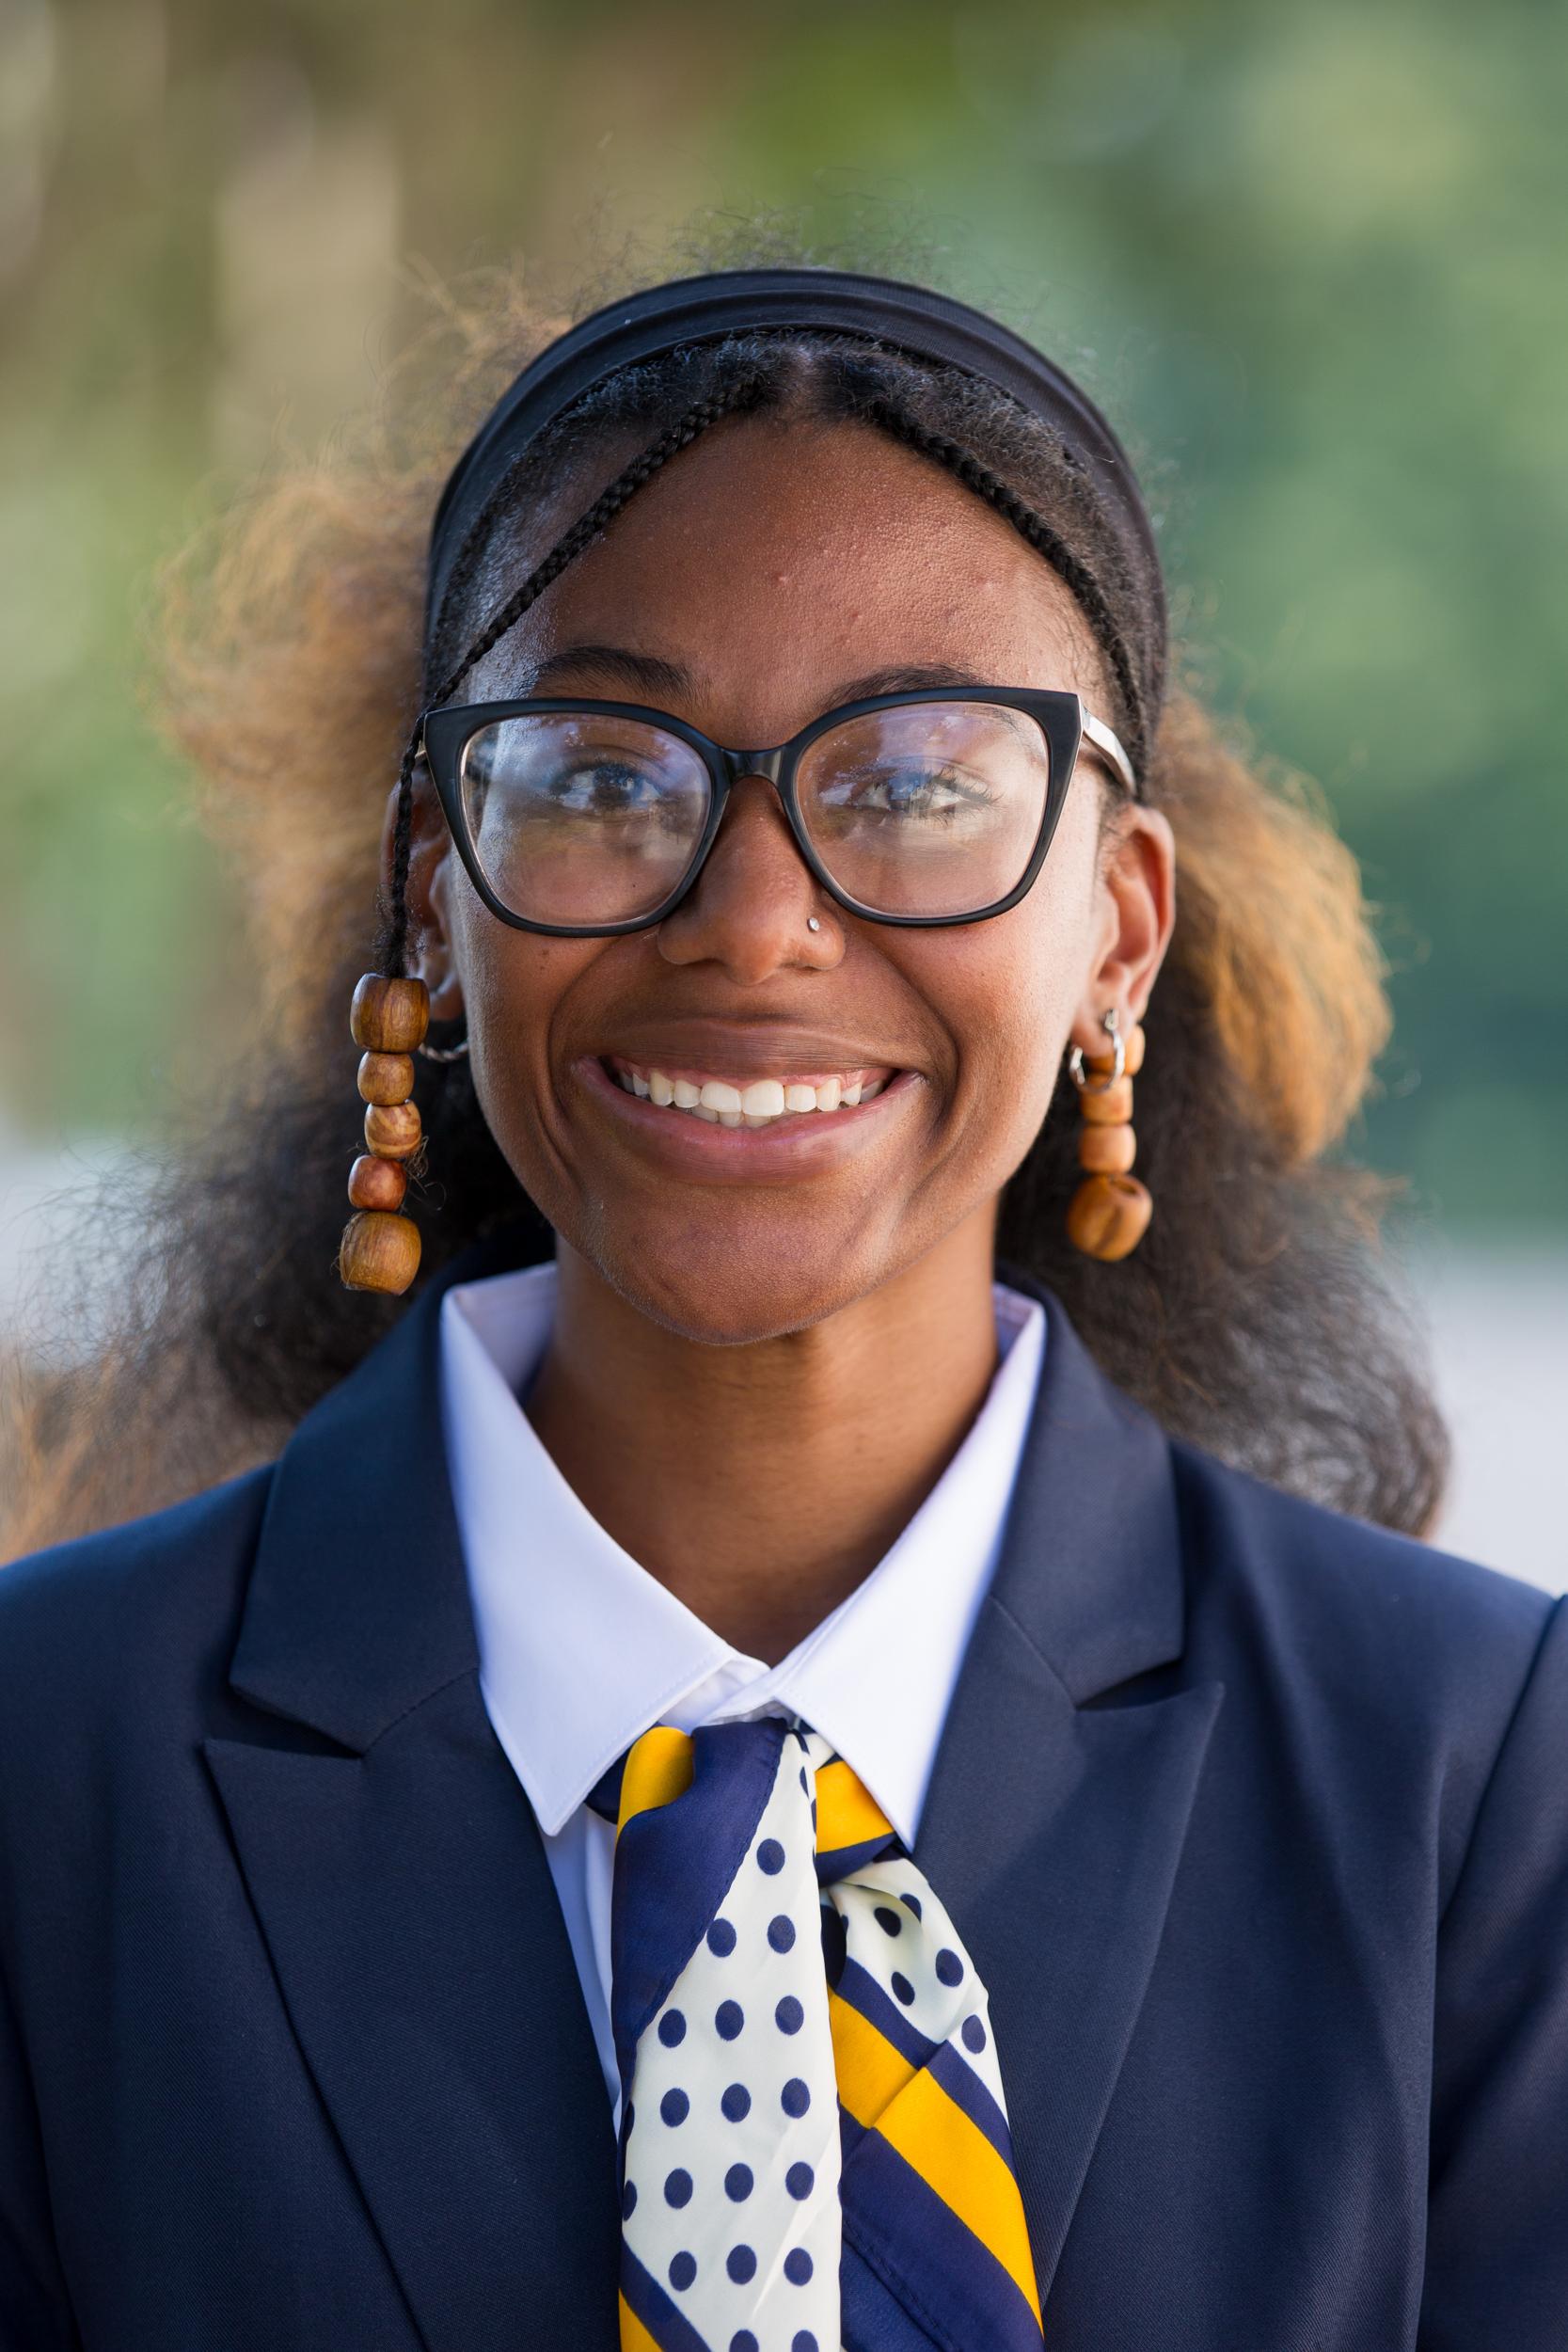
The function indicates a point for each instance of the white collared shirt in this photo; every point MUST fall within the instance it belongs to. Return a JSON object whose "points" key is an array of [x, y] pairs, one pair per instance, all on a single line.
{"points": [[581, 1649]]}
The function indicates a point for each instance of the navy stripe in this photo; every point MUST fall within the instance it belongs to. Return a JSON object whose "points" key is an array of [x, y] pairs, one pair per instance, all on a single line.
{"points": [[842, 1862], [871, 2318], [668, 2325], [674, 1867], [965, 2089], [859, 1987], [931, 2261]]}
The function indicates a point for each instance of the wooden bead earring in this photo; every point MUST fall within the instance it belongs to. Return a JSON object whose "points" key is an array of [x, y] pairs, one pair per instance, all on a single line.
{"points": [[380, 1249], [1109, 1213]]}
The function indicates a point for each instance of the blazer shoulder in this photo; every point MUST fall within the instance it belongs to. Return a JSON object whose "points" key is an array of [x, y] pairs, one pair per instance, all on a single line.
{"points": [[1363, 1591], [127, 1604], [1389, 1646]]}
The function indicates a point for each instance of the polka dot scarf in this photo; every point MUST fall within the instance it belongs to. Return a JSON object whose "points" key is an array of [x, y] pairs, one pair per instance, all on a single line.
{"points": [[815, 2150]]}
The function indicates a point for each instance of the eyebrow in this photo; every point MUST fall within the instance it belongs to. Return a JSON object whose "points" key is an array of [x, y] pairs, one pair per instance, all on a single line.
{"points": [[650, 673]]}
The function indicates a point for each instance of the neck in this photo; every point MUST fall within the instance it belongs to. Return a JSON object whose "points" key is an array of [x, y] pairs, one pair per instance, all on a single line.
{"points": [[760, 1483]]}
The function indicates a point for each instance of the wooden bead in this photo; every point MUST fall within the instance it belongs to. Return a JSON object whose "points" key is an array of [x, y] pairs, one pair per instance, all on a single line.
{"points": [[1112, 1106], [389, 1016], [379, 1252], [376, 1184], [1108, 1215], [392, 1130], [1106, 1151], [1134, 1061], [386, 1077]]}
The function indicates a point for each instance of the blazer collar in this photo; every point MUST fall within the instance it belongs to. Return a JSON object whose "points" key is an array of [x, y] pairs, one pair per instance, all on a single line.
{"points": [[358, 1608]]}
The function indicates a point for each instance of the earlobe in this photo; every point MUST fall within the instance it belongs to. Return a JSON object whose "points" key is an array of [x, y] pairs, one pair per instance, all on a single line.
{"points": [[430, 957]]}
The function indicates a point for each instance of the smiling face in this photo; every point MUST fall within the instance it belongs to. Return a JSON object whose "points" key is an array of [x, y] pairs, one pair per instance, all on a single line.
{"points": [[770, 573]]}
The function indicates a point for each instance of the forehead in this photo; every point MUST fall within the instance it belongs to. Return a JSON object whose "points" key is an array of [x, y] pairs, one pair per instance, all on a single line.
{"points": [[771, 558]]}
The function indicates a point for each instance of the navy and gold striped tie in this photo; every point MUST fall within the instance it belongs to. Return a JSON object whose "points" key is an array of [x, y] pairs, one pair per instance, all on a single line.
{"points": [[814, 2149]]}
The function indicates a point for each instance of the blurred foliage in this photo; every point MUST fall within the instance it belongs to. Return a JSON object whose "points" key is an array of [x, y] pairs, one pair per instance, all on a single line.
{"points": [[1311, 260]]}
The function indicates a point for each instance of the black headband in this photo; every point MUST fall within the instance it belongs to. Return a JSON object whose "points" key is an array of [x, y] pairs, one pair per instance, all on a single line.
{"points": [[693, 310]]}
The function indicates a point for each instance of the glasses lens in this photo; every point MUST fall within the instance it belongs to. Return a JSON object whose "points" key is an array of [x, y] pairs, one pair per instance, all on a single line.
{"points": [[926, 808], [580, 817]]}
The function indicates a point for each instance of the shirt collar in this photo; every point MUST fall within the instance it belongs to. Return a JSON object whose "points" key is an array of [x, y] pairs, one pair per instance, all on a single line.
{"points": [[581, 1649]]}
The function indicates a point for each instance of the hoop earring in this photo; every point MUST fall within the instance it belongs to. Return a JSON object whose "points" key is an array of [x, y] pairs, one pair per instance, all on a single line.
{"points": [[1109, 1213], [380, 1249], [444, 1052]]}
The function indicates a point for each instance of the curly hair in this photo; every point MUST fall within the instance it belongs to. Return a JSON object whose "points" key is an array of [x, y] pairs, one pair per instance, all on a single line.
{"points": [[1258, 1318]]}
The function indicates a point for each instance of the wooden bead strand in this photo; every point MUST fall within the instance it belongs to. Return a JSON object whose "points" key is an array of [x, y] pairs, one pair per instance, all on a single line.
{"points": [[380, 1249], [1109, 1213]]}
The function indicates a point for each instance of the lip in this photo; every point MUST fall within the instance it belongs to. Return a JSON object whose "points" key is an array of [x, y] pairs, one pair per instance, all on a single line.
{"points": [[799, 1145]]}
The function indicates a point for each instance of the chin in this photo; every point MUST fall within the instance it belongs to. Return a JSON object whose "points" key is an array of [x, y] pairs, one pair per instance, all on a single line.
{"points": [[711, 1288]]}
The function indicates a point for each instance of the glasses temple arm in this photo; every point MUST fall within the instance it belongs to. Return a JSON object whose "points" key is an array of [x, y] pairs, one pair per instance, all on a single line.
{"points": [[1109, 748]]}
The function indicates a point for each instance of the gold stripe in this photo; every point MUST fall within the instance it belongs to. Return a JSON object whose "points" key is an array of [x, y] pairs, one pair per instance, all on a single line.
{"points": [[846, 1814], [634, 2336], [658, 1770], [935, 2137]]}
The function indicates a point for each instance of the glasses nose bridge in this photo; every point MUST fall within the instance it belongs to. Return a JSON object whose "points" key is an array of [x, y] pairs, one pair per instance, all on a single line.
{"points": [[769, 764]]}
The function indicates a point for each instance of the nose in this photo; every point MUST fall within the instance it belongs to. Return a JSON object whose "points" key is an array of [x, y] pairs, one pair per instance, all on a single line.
{"points": [[749, 906]]}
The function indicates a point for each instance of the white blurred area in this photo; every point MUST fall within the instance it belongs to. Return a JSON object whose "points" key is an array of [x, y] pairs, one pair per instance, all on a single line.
{"points": [[1496, 1313]]}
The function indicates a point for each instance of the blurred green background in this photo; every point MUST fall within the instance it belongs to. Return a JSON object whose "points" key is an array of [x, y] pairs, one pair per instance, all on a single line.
{"points": [[1311, 260]]}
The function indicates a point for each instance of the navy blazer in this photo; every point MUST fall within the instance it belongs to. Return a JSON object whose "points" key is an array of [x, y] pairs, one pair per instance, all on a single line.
{"points": [[1254, 1816]]}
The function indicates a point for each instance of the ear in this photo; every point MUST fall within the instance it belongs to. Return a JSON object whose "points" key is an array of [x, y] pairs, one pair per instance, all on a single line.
{"points": [[431, 956], [1135, 913]]}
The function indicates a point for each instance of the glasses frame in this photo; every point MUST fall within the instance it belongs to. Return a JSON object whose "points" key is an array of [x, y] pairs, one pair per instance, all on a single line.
{"points": [[445, 729]]}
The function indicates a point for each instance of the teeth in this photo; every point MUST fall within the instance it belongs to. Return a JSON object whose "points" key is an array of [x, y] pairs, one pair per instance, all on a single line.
{"points": [[720, 1104]]}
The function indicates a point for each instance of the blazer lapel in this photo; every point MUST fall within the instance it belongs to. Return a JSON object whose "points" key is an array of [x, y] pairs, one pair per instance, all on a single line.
{"points": [[1053, 1827], [401, 1883]]}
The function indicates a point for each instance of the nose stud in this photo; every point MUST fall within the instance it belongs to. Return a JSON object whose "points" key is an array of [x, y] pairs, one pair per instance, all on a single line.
{"points": [[811, 923]]}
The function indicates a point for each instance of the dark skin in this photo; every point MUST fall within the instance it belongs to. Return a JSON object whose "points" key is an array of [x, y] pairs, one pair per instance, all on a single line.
{"points": [[758, 1371]]}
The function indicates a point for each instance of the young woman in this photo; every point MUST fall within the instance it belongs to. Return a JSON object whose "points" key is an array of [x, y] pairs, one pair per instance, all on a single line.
{"points": [[831, 1728]]}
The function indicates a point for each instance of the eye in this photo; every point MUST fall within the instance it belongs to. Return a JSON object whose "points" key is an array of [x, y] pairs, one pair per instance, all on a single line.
{"points": [[911, 789], [604, 786]]}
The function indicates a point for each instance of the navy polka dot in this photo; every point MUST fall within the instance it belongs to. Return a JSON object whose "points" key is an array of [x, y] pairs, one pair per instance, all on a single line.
{"points": [[677, 2188], [904, 1989], [910, 1902], [804, 2340], [800, 2181], [803, 1780], [789, 2016], [973, 2034], [795, 2098], [736, 2102], [741, 2264], [949, 1967], [780, 1934], [720, 1939], [888, 1920], [683, 2269], [675, 2108], [628, 2201], [671, 2029], [770, 1857], [743, 2341], [728, 2018], [797, 2265], [737, 2184]]}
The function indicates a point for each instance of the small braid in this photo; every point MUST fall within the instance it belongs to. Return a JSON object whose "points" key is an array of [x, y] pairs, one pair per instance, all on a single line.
{"points": [[1084, 583], [746, 394]]}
